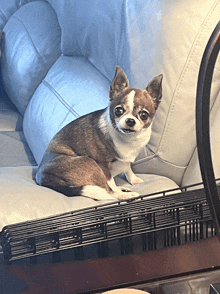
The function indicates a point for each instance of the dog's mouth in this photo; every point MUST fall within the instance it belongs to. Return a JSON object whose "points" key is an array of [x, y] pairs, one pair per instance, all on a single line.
{"points": [[124, 130], [127, 131]]}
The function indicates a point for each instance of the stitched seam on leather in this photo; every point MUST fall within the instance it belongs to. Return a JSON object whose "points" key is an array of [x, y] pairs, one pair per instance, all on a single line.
{"points": [[59, 97], [35, 48], [20, 5], [4, 16], [183, 73], [161, 159], [120, 43]]}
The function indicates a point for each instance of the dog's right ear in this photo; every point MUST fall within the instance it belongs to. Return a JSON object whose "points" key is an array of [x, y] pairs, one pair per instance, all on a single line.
{"points": [[119, 83]]}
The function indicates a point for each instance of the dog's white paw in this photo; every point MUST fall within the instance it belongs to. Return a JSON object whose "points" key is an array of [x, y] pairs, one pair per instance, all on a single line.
{"points": [[96, 193], [125, 195], [132, 178], [136, 180]]}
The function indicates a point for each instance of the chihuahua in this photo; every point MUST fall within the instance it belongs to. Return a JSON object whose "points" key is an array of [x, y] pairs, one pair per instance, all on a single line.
{"points": [[84, 156]]}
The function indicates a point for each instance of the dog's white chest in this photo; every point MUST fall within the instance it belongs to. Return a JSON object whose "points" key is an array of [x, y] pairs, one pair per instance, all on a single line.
{"points": [[129, 148], [128, 151]]}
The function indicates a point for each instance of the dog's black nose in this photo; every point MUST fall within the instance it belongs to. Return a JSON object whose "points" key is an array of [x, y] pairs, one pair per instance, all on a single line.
{"points": [[130, 122]]}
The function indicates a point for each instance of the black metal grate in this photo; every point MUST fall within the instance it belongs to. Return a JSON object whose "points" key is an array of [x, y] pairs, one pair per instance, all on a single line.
{"points": [[147, 222]]}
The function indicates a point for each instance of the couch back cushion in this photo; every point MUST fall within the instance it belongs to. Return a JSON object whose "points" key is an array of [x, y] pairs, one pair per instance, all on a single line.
{"points": [[181, 30], [96, 30], [73, 87], [48, 86], [31, 45], [38, 32]]}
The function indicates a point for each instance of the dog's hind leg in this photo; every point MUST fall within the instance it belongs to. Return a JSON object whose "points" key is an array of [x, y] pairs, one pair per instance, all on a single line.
{"points": [[78, 176], [75, 176]]}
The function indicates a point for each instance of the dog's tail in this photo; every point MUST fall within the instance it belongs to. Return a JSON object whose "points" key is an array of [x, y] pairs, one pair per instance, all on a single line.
{"points": [[67, 190], [90, 191]]}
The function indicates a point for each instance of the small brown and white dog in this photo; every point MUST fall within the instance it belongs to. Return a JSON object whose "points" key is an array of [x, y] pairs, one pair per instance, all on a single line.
{"points": [[84, 157]]}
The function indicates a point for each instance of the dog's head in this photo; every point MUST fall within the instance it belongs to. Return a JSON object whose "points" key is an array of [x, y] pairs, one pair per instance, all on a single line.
{"points": [[132, 110]]}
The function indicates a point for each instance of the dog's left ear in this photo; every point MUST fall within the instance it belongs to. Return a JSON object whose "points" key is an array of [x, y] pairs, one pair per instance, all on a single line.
{"points": [[119, 83], [154, 88]]}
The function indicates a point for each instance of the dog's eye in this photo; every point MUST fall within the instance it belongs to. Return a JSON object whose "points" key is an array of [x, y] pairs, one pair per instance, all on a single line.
{"points": [[143, 115], [119, 111]]}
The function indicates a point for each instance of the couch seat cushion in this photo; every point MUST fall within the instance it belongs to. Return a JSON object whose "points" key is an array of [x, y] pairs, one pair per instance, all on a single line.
{"points": [[15, 150], [21, 199], [10, 119]]}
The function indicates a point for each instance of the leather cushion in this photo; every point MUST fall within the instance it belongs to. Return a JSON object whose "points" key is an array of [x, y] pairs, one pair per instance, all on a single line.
{"points": [[32, 45], [10, 119], [179, 46], [73, 87], [15, 150]]}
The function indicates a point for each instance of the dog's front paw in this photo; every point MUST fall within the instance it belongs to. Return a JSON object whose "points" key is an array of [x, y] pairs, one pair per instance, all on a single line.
{"points": [[132, 178], [136, 180], [125, 195]]}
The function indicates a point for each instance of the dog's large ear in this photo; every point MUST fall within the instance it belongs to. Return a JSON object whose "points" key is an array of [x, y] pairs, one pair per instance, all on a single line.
{"points": [[119, 83], [154, 88]]}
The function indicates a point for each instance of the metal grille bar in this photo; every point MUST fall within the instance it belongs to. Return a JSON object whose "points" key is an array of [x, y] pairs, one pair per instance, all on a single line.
{"points": [[159, 220]]}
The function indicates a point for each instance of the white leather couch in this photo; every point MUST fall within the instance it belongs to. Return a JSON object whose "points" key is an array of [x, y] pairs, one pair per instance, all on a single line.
{"points": [[58, 61]]}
